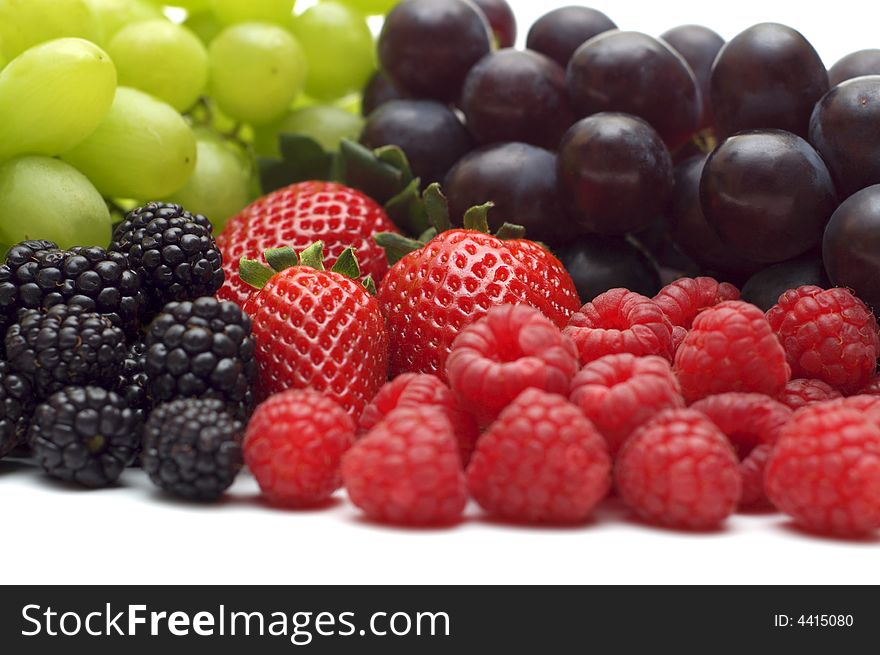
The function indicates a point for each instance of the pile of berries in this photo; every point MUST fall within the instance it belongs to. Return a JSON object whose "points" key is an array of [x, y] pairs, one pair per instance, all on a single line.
{"points": [[409, 344], [104, 349]]}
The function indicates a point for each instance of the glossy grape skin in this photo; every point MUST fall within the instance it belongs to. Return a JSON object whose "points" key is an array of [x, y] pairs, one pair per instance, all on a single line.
{"points": [[145, 51], [597, 264], [764, 287], [615, 173], [515, 95], [326, 124], [428, 132], [339, 49], [427, 47], [637, 74], [560, 32], [26, 23], [768, 76], [44, 198], [699, 46], [851, 246], [378, 91], [691, 232], [257, 69], [52, 96], [855, 64], [520, 180], [768, 194], [845, 129], [501, 20]]}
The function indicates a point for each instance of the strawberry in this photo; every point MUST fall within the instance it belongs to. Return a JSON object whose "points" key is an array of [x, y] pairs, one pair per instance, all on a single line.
{"points": [[299, 215], [439, 288], [316, 329]]}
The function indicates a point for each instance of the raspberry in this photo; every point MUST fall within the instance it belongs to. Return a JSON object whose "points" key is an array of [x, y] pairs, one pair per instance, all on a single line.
{"points": [[422, 389], [541, 461], [865, 403], [620, 321], [407, 470], [829, 335], [752, 469], [800, 393], [746, 419], [825, 470], [752, 423], [678, 335], [872, 388], [294, 444], [618, 393], [731, 347], [507, 351], [682, 300], [679, 470]]}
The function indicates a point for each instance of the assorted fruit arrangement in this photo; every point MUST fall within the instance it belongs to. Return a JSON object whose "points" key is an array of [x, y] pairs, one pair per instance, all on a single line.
{"points": [[429, 268]]}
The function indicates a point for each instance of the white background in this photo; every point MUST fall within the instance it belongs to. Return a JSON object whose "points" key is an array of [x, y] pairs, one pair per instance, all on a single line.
{"points": [[51, 533]]}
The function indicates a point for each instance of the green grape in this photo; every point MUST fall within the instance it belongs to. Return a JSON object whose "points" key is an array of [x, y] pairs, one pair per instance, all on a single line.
{"points": [[204, 25], [326, 124], [219, 187], [371, 7], [189, 5], [163, 59], [44, 198], [144, 149], [53, 96], [257, 69], [113, 15], [339, 49], [230, 12], [25, 23]]}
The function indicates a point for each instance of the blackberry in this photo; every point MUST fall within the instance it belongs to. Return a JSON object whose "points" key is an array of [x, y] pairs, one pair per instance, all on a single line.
{"points": [[17, 256], [63, 346], [192, 448], [132, 385], [173, 250], [85, 435], [202, 349], [133, 379], [39, 275], [16, 407]]}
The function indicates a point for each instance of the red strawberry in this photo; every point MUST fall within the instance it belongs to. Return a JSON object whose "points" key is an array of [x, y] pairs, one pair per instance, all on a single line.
{"points": [[316, 329], [297, 216], [437, 290]]}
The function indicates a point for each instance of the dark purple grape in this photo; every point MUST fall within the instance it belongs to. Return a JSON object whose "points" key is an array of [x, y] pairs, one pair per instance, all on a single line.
{"points": [[501, 20], [378, 91], [637, 74], [768, 76], [851, 247], [691, 232], [845, 129], [429, 132], [427, 47], [615, 173], [768, 195], [855, 64], [699, 46], [597, 264], [764, 288], [521, 180], [560, 32], [516, 95], [669, 258]]}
